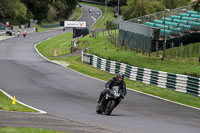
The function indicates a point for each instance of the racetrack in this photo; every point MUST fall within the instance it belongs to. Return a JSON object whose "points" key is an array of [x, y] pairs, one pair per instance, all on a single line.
{"points": [[63, 92]]}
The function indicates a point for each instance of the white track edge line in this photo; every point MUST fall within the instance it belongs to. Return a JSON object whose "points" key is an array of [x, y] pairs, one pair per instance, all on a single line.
{"points": [[93, 18], [100, 15], [7, 38], [39, 111], [127, 88]]}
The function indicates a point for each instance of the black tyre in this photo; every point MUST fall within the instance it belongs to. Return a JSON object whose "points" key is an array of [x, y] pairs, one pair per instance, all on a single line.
{"points": [[98, 109], [110, 107]]}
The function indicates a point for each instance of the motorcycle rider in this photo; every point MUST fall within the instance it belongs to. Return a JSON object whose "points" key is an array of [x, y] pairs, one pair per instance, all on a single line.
{"points": [[18, 33], [24, 34], [115, 81]]}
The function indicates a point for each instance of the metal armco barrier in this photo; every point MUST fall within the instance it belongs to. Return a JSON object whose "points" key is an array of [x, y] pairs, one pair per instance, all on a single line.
{"points": [[177, 82]]}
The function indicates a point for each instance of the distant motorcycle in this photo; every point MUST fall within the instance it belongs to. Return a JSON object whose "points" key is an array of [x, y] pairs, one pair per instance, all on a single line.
{"points": [[24, 34], [109, 101]]}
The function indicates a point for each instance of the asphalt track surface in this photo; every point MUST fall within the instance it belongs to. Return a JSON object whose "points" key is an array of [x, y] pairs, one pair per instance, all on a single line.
{"points": [[69, 94], [90, 17]]}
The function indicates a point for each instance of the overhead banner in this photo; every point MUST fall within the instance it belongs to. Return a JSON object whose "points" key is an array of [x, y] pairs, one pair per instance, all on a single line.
{"points": [[75, 24]]}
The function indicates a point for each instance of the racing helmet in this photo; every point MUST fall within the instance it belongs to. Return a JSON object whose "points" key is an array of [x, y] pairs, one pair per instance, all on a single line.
{"points": [[120, 76]]}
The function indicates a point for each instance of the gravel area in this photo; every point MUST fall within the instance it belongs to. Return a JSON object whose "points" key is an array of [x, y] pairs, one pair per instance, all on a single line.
{"points": [[46, 121]]}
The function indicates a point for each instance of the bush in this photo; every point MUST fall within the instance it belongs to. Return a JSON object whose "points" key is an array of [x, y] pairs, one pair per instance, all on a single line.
{"points": [[111, 25]]}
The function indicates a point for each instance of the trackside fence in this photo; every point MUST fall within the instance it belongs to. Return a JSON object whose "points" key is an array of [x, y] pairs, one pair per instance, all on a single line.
{"points": [[176, 82]]}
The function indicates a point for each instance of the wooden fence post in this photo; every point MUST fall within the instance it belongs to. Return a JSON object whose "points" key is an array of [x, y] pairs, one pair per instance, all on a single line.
{"points": [[115, 38], [164, 47], [185, 53], [112, 37], [132, 45], [181, 51], [190, 51], [156, 48], [136, 46], [176, 53], [122, 43], [199, 52], [108, 33], [143, 47], [149, 49], [172, 49], [117, 43], [95, 35], [97, 32]]}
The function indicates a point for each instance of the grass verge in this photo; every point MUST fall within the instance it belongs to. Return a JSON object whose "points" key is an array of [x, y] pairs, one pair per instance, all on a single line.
{"points": [[56, 46], [76, 64], [186, 53], [40, 29], [6, 104], [26, 130], [78, 14]]}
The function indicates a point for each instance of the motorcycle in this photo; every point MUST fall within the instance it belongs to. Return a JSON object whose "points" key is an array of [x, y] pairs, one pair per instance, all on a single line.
{"points": [[109, 101]]}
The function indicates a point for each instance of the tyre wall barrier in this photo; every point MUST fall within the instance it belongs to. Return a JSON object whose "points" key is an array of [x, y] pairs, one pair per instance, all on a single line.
{"points": [[50, 26], [176, 82]]}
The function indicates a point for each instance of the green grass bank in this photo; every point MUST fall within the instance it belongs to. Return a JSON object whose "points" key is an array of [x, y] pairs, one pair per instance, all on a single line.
{"points": [[27, 130], [56, 46], [6, 104], [78, 14]]}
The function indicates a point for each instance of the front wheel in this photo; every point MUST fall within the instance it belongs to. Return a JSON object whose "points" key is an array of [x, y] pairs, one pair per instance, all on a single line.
{"points": [[110, 107]]}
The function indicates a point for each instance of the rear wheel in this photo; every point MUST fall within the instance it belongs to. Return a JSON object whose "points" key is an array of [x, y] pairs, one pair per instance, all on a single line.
{"points": [[98, 109], [110, 107]]}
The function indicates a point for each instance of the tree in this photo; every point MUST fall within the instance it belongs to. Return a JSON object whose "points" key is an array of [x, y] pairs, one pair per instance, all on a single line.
{"points": [[52, 14], [157, 6], [39, 8], [171, 4], [131, 10], [70, 6], [20, 11], [13, 10], [115, 2], [196, 5], [23, 10], [50, 9], [136, 8]]}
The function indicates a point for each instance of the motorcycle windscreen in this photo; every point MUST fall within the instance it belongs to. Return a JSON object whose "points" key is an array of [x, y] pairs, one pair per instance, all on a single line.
{"points": [[116, 88]]}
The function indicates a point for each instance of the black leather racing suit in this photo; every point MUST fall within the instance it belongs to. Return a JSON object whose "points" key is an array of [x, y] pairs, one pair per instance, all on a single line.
{"points": [[114, 82]]}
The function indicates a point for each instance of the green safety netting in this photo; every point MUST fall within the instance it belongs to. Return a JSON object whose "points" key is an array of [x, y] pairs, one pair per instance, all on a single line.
{"points": [[134, 40], [2, 26]]}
